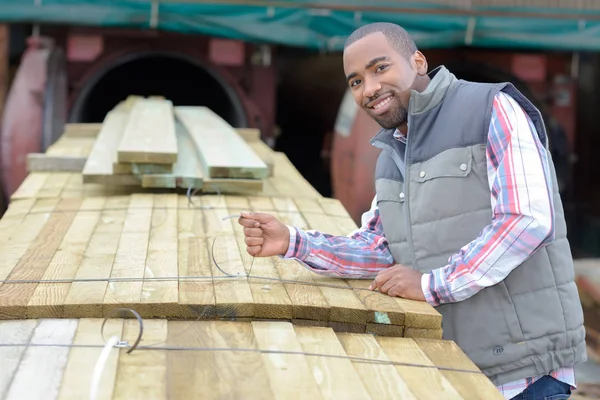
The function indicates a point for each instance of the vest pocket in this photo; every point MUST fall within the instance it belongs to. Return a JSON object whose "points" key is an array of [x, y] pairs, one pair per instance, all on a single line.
{"points": [[455, 162]]}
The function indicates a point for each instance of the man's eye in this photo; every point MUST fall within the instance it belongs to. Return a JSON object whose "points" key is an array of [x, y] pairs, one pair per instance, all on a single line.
{"points": [[381, 67], [355, 82]]}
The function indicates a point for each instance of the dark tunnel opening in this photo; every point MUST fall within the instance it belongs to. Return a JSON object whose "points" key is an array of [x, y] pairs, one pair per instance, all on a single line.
{"points": [[179, 79]]}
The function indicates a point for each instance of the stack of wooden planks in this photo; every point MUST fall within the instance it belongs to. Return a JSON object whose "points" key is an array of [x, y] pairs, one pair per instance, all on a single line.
{"points": [[84, 257], [234, 360], [58, 172], [149, 143]]}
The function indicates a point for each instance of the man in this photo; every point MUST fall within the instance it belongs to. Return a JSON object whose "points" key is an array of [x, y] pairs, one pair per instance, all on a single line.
{"points": [[466, 216]]}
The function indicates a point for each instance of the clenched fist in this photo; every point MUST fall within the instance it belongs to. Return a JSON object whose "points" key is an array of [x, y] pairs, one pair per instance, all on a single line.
{"points": [[265, 235]]}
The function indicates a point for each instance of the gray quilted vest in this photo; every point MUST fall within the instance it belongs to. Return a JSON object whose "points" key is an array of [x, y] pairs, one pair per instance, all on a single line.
{"points": [[532, 322]]}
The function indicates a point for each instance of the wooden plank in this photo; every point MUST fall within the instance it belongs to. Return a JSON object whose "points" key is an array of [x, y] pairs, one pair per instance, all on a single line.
{"points": [[187, 170], [71, 146], [130, 258], [42, 367], [346, 307], [418, 314], [39, 162], [30, 186], [85, 298], [381, 307], [141, 168], [14, 297], [326, 370], [99, 165], [249, 134], [271, 299], [423, 333], [216, 375], [148, 369], [77, 379], [223, 153], [17, 237], [381, 380], [197, 295], [53, 187], [159, 298], [13, 333], [308, 301], [149, 135], [289, 374], [425, 383], [233, 295], [87, 129], [48, 298], [232, 186], [265, 153], [447, 354]]}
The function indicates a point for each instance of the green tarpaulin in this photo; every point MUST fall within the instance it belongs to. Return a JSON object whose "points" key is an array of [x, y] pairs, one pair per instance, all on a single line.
{"points": [[322, 24]]}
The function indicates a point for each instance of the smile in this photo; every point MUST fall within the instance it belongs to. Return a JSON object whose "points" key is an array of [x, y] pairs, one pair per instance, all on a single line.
{"points": [[382, 103], [379, 106]]}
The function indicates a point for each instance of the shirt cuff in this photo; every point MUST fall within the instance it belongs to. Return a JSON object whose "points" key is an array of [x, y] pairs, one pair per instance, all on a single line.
{"points": [[425, 286], [298, 246], [435, 288]]}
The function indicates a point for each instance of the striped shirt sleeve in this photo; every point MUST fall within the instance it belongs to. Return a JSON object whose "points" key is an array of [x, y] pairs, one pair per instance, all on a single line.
{"points": [[523, 211], [361, 254]]}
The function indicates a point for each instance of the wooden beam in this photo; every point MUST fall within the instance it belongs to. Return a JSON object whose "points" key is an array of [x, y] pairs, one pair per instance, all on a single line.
{"points": [[149, 135], [82, 129], [249, 134], [223, 153], [99, 165], [39, 162]]}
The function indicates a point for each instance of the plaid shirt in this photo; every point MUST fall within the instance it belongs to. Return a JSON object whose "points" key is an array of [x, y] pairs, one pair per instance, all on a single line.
{"points": [[522, 221]]}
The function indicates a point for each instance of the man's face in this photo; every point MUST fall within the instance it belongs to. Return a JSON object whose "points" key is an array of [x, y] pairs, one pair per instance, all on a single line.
{"points": [[381, 79]]}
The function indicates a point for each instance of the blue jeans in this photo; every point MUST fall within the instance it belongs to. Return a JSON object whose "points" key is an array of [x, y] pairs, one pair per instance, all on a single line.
{"points": [[545, 388]]}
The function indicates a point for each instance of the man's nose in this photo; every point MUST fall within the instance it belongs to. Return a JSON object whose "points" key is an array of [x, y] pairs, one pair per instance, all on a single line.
{"points": [[372, 86]]}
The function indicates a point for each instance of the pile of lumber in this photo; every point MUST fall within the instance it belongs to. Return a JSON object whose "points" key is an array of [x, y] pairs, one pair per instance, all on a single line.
{"points": [[154, 253], [58, 171], [229, 360], [149, 143]]}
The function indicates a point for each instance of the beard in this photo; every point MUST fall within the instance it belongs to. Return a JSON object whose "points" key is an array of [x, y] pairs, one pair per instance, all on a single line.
{"points": [[395, 117]]}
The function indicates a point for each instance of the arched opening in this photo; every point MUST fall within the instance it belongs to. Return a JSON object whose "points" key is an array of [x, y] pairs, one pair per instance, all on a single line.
{"points": [[181, 79]]}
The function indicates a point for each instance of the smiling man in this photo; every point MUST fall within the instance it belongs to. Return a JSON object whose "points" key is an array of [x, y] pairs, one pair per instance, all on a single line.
{"points": [[466, 216]]}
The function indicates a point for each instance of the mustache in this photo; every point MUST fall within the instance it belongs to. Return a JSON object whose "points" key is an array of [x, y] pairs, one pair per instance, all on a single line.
{"points": [[369, 100]]}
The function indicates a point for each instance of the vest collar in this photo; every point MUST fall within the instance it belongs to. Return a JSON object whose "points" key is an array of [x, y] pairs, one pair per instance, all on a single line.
{"points": [[441, 79], [421, 102]]}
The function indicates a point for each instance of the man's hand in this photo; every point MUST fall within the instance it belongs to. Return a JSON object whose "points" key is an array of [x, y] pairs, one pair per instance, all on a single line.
{"points": [[265, 235], [399, 281]]}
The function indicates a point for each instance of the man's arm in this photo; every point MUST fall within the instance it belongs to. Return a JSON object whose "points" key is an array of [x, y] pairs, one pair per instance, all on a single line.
{"points": [[360, 255], [523, 219]]}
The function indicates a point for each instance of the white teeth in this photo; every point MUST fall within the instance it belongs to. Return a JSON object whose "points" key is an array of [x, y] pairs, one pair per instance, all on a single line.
{"points": [[383, 103]]}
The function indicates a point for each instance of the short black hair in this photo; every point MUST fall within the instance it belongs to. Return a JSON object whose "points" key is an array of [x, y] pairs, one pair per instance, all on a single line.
{"points": [[396, 36]]}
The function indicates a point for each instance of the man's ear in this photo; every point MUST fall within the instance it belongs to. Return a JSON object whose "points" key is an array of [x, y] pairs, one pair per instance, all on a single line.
{"points": [[419, 63]]}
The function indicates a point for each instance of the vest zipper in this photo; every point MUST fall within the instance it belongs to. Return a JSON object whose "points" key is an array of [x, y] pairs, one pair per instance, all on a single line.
{"points": [[409, 238]]}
